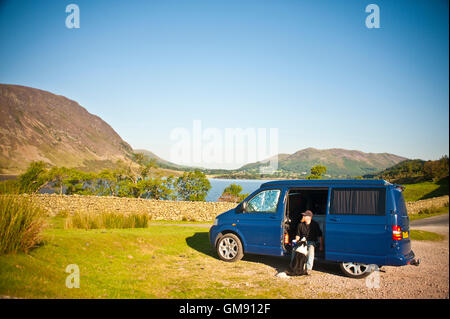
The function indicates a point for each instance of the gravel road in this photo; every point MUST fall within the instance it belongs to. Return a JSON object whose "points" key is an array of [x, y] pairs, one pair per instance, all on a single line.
{"points": [[429, 280], [438, 224]]}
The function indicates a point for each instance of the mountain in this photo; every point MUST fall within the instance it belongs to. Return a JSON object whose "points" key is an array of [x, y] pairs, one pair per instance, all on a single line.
{"points": [[38, 125], [339, 162], [161, 162]]}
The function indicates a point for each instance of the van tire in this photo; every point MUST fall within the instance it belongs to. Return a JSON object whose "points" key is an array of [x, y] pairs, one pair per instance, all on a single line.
{"points": [[355, 270], [229, 248]]}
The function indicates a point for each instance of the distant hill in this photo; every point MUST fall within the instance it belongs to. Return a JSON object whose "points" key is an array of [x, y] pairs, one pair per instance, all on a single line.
{"points": [[38, 125], [415, 171], [161, 162], [340, 163]]}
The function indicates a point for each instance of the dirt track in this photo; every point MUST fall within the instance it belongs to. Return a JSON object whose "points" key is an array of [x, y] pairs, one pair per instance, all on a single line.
{"points": [[429, 280]]}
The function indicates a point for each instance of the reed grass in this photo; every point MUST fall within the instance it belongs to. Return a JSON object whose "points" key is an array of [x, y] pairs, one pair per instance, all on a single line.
{"points": [[21, 224], [100, 220]]}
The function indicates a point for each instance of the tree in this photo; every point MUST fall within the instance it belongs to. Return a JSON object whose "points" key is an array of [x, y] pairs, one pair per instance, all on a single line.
{"points": [[193, 186], [33, 178], [232, 193], [78, 182], [56, 176], [157, 188], [317, 171], [436, 170]]}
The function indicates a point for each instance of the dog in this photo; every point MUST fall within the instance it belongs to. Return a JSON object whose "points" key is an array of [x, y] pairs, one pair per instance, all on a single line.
{"points": [[297, 266]]}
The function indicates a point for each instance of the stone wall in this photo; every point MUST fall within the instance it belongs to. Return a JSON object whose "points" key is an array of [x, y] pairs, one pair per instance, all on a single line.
{"points": [[164, 209], [158, 209], [415, 207]]}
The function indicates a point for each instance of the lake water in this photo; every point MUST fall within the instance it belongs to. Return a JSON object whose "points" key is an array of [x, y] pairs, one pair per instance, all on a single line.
{"points": [[218, 185]]}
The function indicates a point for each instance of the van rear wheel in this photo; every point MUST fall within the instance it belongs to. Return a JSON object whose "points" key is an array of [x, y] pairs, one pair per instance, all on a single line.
{"points": [[356, 270], [229, 248]]}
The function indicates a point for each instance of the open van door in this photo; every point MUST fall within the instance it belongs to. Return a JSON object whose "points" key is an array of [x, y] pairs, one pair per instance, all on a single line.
{"points": [[356, 225], [259, 222]]}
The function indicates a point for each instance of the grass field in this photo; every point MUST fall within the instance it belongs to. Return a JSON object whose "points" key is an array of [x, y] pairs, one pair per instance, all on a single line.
{"points": [[160, 261], [416, 234], [425, 190], [154, 262]]}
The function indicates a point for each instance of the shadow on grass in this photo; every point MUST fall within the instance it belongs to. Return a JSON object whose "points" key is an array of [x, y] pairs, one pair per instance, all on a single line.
{"points": [[200, 242], [440, 191]]}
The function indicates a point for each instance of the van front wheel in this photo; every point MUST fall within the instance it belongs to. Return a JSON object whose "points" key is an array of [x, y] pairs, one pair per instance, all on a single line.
{"points": [[356, 270], [229, 248]]}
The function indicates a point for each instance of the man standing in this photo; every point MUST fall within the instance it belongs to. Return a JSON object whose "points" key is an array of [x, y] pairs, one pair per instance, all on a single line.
{"points": [[311, 230]]}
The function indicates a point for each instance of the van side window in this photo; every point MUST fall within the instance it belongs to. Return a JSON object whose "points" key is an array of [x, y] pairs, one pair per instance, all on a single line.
{"points": [[264, 202], [358, 201]]}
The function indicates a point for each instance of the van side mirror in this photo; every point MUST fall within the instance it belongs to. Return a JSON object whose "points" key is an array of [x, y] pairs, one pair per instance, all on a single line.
{"points": [[243, 207]]}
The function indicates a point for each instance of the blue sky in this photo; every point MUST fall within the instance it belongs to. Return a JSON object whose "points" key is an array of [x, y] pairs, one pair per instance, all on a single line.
{"points": [[309, 68]]}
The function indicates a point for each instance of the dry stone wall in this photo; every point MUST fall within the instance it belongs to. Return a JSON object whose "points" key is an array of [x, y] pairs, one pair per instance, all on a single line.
{"points": [[164, 209], [417, 206], [158, 209]]}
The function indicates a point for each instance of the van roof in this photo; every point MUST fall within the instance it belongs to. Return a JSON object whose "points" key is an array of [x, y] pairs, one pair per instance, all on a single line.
{"points": [[324, 182]]}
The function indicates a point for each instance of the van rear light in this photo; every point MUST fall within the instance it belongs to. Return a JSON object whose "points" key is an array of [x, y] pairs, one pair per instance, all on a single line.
{"points": [[286, 238], [396, 232]]}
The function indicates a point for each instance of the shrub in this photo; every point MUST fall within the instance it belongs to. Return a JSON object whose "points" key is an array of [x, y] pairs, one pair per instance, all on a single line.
{"points": [[21, 224], [232, 193], [104, 220]]}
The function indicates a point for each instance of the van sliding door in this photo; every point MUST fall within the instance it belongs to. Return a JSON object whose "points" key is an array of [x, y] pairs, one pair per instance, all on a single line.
{"points": [[356, 228]]}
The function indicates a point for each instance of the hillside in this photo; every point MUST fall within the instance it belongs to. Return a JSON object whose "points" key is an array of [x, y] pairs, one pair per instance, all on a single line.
{"points": [[415, 171], [161, 162], [339, 162], [38, 125]]}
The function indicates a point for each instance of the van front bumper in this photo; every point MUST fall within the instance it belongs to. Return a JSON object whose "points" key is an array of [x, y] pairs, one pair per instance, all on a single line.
{"points": [[212, 236]]}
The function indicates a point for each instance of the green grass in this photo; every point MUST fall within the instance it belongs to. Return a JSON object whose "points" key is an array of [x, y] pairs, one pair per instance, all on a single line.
{"points": [[425, 235], [159, 261], [155, 262], [178, 222], [425, 190]]}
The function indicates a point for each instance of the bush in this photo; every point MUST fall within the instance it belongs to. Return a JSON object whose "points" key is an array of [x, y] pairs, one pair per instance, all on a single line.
{"points": [[233, 194], [21, 224], [105, 220]]}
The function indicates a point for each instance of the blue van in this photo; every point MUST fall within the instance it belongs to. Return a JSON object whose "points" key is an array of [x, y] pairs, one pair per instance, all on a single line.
{"points": [[364, 223]]}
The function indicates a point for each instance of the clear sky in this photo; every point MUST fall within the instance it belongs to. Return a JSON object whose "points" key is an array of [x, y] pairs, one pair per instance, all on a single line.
{"points": [[312, 69]]}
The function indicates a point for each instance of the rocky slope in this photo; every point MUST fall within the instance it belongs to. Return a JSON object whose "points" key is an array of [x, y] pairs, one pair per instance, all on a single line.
{"points": [[38, 125]]}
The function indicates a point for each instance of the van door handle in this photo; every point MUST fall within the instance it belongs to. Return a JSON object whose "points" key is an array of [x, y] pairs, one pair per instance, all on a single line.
{"points": [[334, 219]]}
